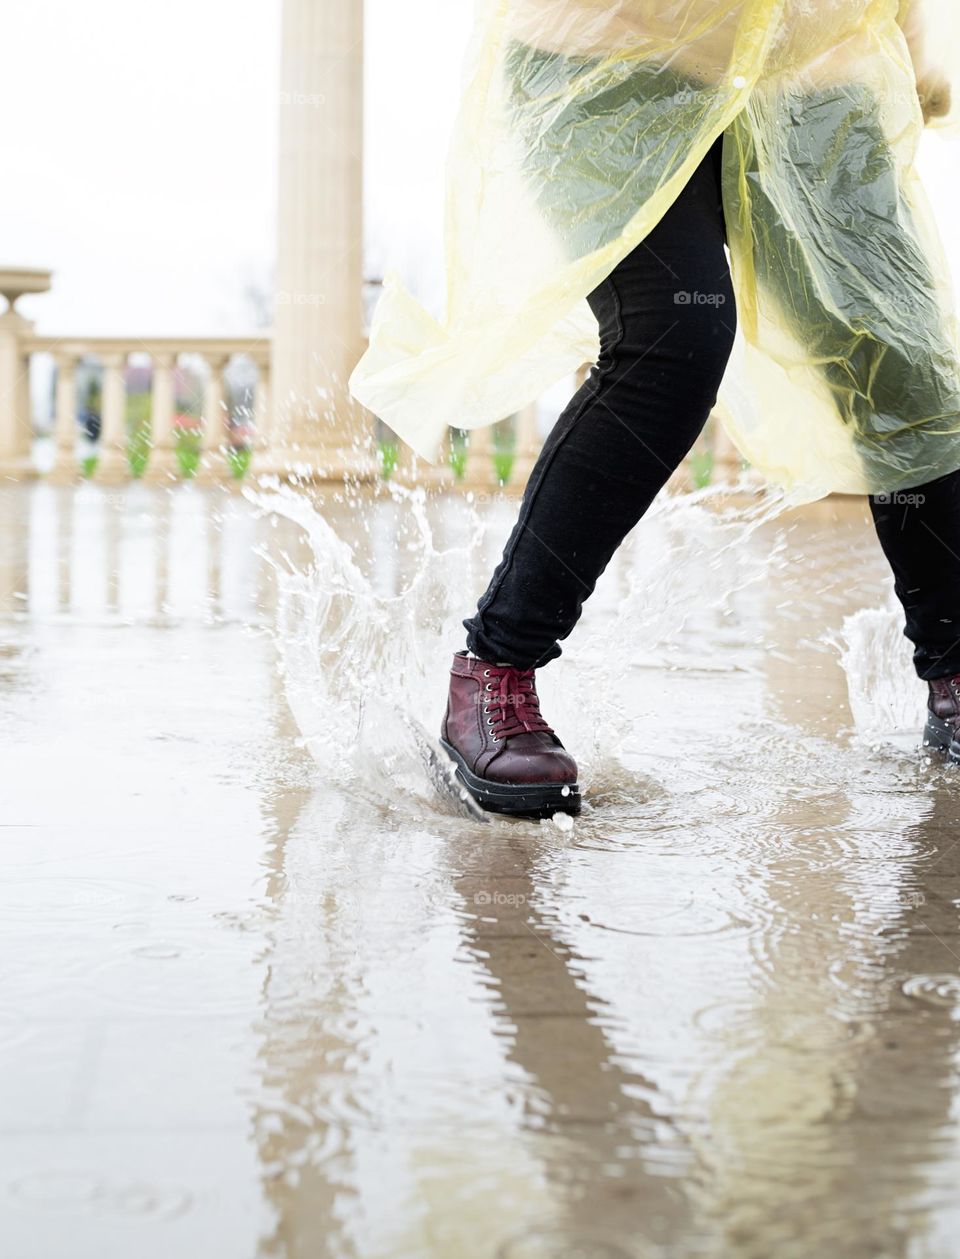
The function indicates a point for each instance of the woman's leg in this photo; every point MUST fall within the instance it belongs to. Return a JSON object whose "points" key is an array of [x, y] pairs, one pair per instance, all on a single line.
{"points": [[667, 321], [919, 531]]}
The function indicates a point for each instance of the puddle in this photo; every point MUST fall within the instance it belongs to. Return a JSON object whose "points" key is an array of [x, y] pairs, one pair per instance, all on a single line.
{"points": [[266, 994]]}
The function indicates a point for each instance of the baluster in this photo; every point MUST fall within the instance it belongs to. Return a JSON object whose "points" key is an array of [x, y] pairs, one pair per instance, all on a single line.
{"points": [[262, 416], [112, 462], [163, 458], [479, 458], [65, 416], [214, 418], [528, 444], [726, 457], [411, 469], [16, 420]]}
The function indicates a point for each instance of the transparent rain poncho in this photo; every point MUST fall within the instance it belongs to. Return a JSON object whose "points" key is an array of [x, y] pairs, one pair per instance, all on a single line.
{"points": [[581, 122]]}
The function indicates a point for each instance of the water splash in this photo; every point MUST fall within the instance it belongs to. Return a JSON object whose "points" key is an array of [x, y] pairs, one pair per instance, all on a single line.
{"points": [[361, 666], [364, 649], [886, 703]]}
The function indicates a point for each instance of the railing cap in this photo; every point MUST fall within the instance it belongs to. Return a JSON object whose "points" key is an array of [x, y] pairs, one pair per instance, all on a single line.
{"points": [[255, 346], [16, 281]]}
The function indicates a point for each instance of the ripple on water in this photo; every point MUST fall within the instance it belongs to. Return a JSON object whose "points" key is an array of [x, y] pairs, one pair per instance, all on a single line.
{"points": [[438, 1104], [693, 917], [937, 990], [158, 952], [741, 1025], [557, 1244], [291, 1136], [162, 976], [46, 898], [88, 1192]]}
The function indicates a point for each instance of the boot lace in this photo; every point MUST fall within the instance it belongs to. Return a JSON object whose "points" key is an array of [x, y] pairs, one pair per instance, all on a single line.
{"points": [[511, 703]]}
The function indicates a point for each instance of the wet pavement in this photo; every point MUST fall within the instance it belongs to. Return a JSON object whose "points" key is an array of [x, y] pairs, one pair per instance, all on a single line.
{"points": [[263, 993]]}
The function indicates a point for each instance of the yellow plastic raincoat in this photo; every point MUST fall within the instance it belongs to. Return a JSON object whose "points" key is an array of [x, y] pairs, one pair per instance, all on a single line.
{"points": [[581, 122]]}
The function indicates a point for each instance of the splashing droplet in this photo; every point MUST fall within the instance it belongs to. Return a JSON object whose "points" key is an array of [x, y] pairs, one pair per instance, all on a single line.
{"points": [[939, 990]]}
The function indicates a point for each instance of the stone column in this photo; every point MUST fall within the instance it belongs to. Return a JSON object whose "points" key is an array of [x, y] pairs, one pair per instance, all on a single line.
{"points": [[16, 423], [65, 419], [163, 459], [479, 456], [529, 442], [726, 458], [16, 420], [318, 316], [112, 461], [214, 418], [261, 408]]}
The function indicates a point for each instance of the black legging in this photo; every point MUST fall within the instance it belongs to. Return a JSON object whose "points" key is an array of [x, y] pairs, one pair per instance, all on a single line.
{"points": [[667, 321]]}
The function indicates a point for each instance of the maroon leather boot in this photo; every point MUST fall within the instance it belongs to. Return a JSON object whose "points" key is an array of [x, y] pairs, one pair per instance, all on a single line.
{"points": [[943, 716], [506, 754]]}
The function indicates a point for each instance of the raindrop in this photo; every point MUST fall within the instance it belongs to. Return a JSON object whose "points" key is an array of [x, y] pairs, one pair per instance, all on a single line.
{"points": [[939, 990], [157, 952]]}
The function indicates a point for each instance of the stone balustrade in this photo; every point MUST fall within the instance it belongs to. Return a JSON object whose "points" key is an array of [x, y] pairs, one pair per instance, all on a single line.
{"points": [[114, 453], [121, 449]]}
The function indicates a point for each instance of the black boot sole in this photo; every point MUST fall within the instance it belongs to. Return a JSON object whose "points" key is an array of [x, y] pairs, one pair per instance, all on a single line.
{"points": [[940, 734], [516, 800]]}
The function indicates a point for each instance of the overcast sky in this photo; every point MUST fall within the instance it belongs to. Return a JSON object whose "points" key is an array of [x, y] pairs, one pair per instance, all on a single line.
{"points": [[139, 154]]}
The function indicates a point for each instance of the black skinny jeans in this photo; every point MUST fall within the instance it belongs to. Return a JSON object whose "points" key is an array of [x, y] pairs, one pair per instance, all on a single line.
{"points": [[667, 321]]}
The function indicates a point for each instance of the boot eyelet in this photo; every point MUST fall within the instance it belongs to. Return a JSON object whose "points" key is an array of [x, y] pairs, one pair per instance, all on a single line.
{"points": [[489, 721], [486, 673], [488, 687]]}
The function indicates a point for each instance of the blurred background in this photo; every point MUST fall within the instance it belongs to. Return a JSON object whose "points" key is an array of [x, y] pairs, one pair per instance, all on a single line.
{"points": [[142, 166], [146, 161]]}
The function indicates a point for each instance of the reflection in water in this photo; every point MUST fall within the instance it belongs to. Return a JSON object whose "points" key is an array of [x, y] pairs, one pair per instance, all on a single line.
{"points": [[827, 1099], [293, 1008], [137, 553], [683, 1029], [458, 1059], [610, 1153]]}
